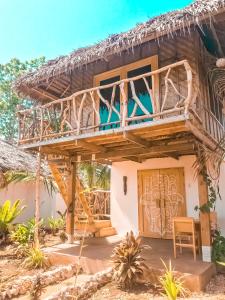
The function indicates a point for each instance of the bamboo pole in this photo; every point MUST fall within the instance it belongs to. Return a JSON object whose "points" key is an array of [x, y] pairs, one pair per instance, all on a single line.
{"points": [[37, 200], [70, 217]]}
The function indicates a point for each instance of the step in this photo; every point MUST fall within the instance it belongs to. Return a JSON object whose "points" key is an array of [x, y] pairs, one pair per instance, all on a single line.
{"points": [[107, 231]]}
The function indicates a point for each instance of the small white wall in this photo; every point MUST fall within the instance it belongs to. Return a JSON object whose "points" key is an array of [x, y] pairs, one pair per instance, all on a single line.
{"points": [[124, 208], [25, 191], [220, 204]]}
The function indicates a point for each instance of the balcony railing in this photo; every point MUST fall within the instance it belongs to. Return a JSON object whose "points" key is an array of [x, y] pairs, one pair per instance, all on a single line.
{"points": [[81, 112]]}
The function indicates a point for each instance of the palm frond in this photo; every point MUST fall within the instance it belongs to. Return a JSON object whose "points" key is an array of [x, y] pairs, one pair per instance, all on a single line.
{"points": [[23, 176]]}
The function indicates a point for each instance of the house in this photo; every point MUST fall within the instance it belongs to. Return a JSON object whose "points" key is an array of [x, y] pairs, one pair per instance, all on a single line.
{"points": [[149, 102], [14, 161]]}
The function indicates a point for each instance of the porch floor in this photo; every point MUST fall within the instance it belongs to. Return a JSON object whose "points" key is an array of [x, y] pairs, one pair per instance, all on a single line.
{"points": [[97, 251]]}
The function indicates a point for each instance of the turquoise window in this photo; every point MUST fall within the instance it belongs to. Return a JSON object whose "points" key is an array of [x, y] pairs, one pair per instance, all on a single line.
{"points": [[141, 92], [104, 112]]}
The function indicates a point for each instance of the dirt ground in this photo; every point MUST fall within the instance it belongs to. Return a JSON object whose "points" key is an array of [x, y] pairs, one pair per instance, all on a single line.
{"points": [[11, 267], [214, 291]]}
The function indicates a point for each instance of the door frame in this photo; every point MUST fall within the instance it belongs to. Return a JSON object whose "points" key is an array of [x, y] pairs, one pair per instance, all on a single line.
{"points": [[140, 215]]}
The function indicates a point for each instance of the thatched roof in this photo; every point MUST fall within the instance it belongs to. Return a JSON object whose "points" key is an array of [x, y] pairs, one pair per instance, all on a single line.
{"points": [[15, 159], [116, 43]]}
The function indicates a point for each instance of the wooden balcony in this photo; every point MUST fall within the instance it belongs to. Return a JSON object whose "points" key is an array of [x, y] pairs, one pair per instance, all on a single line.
{"points": [[87, 122]]}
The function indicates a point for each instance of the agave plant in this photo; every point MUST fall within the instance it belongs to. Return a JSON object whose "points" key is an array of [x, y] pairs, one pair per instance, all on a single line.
{"points": [[128, 263], [8, 214]]}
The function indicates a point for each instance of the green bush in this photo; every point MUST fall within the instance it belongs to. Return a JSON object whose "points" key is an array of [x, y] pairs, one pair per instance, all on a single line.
{"points": [[24, 233], [218, 247], [8, 213], [56, 224]]}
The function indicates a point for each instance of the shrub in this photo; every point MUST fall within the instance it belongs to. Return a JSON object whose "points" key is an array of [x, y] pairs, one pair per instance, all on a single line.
{"points": [[8, 214], [36, 259], [56, 224], [128, 264], [172, 286], [63, 237], [24, 233], [218, 247]]}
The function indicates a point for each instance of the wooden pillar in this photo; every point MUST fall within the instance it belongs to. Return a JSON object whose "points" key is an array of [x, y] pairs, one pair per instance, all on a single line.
{"points": [[71, 202], [204, 220], [37, 200]]}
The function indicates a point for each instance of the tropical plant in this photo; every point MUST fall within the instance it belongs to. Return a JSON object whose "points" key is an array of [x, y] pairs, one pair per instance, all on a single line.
{"points": [[23, 233], [63, 237], [56, 224], [8, 213], [128, 265], [173, 286], [36, 259], [213, 192], [94, 175], [23, 176], [218, 247]]}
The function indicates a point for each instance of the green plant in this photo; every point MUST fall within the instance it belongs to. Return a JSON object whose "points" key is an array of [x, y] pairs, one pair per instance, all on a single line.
{"points": [[23, 233], [36, 259], [8, 214], [128, 265], [218, 247], [63, 237], [172, 286], [56, 224], [213, 192]]}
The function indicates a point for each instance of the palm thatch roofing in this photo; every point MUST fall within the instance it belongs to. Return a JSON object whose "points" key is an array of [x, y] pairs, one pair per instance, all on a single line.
{"points": [[164, 24], [14, 159]]}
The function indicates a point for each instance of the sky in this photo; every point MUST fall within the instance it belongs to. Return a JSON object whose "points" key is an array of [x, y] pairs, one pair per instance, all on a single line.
{"points": [[33, 28]]}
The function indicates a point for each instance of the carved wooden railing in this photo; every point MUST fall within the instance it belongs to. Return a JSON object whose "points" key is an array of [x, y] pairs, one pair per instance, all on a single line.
{"points": [[79, 113]]}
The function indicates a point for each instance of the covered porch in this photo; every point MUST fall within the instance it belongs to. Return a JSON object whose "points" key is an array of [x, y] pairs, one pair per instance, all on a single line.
{"points": [[96, 257]]}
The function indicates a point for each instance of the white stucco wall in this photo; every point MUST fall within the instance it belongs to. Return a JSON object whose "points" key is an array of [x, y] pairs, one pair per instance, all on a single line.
{"points": [[220, 204], [26, 192], [124, 208]]}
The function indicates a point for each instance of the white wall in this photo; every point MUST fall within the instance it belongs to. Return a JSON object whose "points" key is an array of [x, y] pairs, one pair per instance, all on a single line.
{"points": [[220, 204], [124, 208], [26, 192]]}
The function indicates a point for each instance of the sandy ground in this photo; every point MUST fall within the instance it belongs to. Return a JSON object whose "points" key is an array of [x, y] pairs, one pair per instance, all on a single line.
{"points": [[214, 291]]}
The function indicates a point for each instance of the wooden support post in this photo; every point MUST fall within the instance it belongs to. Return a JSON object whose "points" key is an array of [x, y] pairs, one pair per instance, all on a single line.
{"points": [[37, 200], [204, 220], [71, 202]]}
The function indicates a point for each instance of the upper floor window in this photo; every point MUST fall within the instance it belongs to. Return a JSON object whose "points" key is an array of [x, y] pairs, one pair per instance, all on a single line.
{"points": [[139, 88]]}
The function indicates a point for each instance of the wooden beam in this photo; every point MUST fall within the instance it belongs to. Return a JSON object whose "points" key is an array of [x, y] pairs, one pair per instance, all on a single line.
{"points": [[45, 94], [135, 159], [135, 139], [90, 146], [173, 155], [70, 217], [37, 200], [138, 151], [204, 220]]}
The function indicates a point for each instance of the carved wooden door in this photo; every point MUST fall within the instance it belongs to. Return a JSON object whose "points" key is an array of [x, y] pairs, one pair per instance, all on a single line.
{"points": [[161, 197]]}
